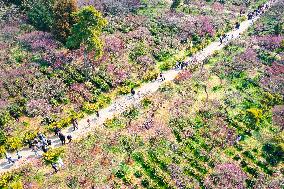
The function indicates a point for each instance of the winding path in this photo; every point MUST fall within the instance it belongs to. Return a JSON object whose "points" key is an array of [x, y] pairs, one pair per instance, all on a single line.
{"points": [[122, 103]]}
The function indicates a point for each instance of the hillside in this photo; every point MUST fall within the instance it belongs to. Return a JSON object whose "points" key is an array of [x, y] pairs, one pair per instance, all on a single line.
{"points": [[218, 124]]}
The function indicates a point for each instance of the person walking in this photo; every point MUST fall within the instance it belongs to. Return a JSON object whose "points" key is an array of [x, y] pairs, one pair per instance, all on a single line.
{"points": [[75, 124], [60, 162], [62, 138], [9, 158], [49, 142], [89, 122], [56, 130], [44, 148], [54, 166], [18, 155], [132, 91], [35, 150], [238, 25], [69, 137], [221, 40], [162, 78]]}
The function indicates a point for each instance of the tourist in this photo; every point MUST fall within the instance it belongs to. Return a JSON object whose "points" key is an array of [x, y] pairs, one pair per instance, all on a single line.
{"points": [[60, 162], [237, 25], [9, 159], [162, 78], [69, 137], [56, 130], [132, 91], [75, 124], [89, 122], [97, 113], [221, 40], [44, 148], [35, 150], [18, 155], [49, 142], [54, 166], [62, 138]]}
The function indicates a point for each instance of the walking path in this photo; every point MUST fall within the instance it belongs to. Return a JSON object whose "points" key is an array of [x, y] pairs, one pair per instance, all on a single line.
{"points": [[122, 103]]}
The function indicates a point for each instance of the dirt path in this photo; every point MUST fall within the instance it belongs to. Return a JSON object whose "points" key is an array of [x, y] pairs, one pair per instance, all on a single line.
{"points": [[122, 103]]}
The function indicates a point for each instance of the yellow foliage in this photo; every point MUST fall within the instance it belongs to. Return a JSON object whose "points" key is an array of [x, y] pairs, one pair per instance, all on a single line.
{"points": [[14, 143], [150, 75], [256, 113], [52, 155], [2, 150]]}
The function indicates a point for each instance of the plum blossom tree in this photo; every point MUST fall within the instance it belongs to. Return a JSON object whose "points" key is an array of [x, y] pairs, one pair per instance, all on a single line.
{"points": [[227, 175]]}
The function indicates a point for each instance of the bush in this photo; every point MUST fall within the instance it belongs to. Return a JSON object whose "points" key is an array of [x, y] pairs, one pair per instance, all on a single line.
{"points": [[4, 118], [41, 14], [162, 55], [273, 154], [138, 174], [124, 90], [150, 75], [14, 143], [15, 111], [52, 155], [63, 20], [131, 113], [2, 151], [166, 65], [175, 4], [2, 137], [146, 102], [145, 183], [138, 51], [114, 123]]}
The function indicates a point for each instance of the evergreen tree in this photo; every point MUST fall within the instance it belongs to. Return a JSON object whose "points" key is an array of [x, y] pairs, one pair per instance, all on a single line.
{"points": [[63, 19]]}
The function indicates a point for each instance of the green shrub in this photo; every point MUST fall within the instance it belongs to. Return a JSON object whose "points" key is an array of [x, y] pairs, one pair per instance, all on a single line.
{"points": [[2, 151], [4, 118], [15, 111], [2, 137], [163, 55], [41, 14], [18, 55], [273, 154], [124, 90], [139, 50], [166, 65], [138, 174], [175, 4], [145, 183], [52, 155], [63, 19], [114, 123], [150, 75], [146, 102], [131, 113]]}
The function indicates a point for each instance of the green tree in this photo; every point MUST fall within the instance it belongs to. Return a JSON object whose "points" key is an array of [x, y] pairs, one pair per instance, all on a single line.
{"points": [[40, 14], [176, 4], [86, 33], [63, 19]]}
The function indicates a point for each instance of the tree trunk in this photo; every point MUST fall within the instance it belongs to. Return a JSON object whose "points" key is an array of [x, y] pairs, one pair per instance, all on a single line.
{"points": [[86, 65]]}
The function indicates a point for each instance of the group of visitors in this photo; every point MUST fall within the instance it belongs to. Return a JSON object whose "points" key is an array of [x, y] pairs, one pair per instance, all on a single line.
{"points": [[260, 9], [39, 143], [181, 64], [61, 136]]}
